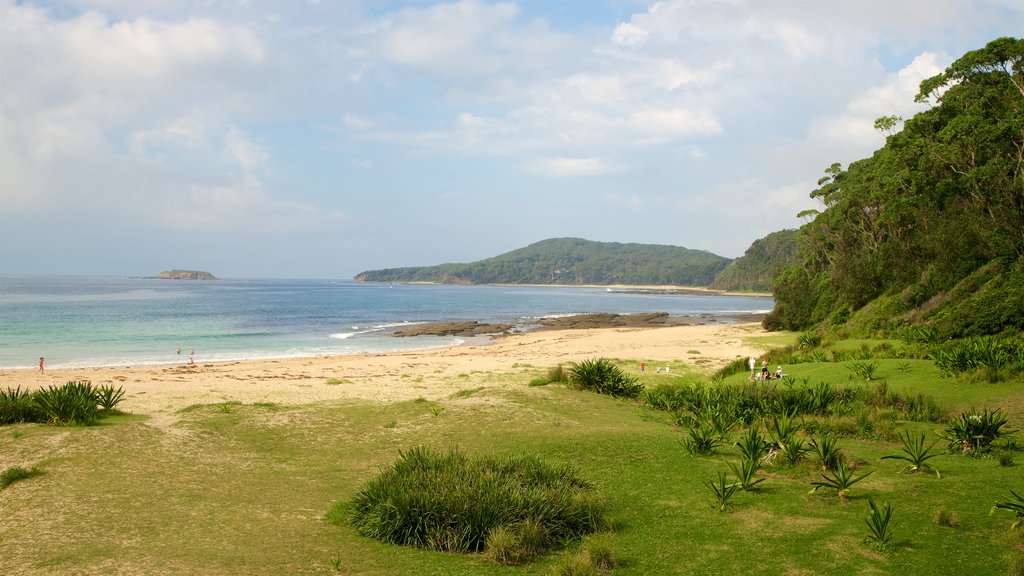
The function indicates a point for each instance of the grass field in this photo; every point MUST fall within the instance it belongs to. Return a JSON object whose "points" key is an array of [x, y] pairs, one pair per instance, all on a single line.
{"points": [[235, 488]]}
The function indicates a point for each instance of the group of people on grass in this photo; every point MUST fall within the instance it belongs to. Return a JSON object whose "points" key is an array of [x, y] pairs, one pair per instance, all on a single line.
{"points": [[764, 374]]}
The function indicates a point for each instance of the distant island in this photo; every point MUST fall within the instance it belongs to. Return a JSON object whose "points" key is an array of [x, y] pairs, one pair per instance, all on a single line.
{"points": [[185, 275]]}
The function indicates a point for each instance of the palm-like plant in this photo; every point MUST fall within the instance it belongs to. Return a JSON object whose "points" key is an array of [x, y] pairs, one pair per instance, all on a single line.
{"points": [[746, 473], [793, 450], [723, 490], [702, 441], [827, 451], [1015, 507], [916, 455], [878, 523], [842, 479]]}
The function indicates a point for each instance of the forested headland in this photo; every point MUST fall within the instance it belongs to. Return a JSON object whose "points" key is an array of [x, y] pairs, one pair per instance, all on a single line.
{"points": [[928, 231], [571, 261]]}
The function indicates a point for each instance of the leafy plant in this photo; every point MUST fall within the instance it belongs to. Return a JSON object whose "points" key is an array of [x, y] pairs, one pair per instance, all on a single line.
{"points": [[974, 431], [915, 454], [863, 369], [108, 397], [702, 441], [827, 451], [753, 446], [841, 479], [723, 490], [1016, 506], [449, 502], [880, 535], [73, 404], [18, 405], [746, 473], [604, 377], [793, 450]]}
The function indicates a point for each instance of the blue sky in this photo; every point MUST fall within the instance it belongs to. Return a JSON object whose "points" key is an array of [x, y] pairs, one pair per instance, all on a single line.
{"points": [[318, 139]]}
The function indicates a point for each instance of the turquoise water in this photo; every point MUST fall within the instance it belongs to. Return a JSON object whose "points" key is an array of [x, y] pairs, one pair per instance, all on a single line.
{"points": [[90, 321]]}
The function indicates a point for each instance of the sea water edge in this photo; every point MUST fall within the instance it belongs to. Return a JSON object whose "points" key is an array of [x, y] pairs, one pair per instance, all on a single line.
{"points": [[84, 321]]}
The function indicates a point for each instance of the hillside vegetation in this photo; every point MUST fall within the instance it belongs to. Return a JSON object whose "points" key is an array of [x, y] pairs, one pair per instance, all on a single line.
{"points": [[571, 261], [760, 264], [930, 229]]}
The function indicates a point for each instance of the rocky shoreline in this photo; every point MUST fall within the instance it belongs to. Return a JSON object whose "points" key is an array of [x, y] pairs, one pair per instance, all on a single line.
{"points": [[574, 322]]}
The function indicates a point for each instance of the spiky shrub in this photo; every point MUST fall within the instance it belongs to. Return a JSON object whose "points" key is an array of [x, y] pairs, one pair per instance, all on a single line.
{"points": [[840, 480], [73, 404], [879, 528], [450, 502], [915, 454], [1016, 506], [723, 490], [973, 431], [746, 473], [753, 445], [863, 369], [702, 440], [557, 374], [604, 377], [107, 397], [827, 451], [793, 450], [18, 405]]}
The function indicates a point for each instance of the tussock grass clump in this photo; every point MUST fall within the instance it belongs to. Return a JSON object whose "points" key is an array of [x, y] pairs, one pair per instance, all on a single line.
{"points": [[76, 403], [18, 405], [512, 508], [16, 473], [604, 377]]}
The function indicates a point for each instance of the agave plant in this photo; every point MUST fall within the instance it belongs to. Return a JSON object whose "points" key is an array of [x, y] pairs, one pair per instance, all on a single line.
{"points": [[746, 473], [107, 397], [880, 534], [974, 431], [1016, 507], [753, 446], [794, 450], [702, 441], [827, 451], [604, 377], [842, 479], [916, 455], [723, 490]]}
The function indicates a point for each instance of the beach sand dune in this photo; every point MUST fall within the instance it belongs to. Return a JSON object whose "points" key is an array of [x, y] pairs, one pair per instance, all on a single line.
{"points": [[432, 374]]}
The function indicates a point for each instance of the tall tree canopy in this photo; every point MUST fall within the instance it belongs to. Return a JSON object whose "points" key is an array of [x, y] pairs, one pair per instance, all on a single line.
{"points": [[931, 227]]}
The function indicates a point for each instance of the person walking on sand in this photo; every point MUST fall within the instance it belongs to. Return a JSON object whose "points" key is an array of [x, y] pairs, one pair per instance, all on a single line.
{"points": [[40, 370], [191, 354]]}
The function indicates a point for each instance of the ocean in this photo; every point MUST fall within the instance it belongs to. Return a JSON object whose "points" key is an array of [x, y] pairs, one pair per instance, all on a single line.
{"points": [[98, 321]]}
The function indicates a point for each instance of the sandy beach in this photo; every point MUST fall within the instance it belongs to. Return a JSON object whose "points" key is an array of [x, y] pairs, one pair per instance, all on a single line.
{"points": [[431, 374]]}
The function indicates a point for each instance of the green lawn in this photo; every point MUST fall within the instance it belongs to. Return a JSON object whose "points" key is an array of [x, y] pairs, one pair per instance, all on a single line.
{"points": [[243, 489]]}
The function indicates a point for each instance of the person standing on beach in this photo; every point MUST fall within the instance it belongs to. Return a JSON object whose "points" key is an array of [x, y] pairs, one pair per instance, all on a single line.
{"points": [[191, 353], [40, 370], [641, 367]]}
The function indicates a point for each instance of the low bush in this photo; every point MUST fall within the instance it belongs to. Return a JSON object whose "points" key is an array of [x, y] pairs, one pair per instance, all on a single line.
{"points": [[18, 405], [974, 431], [512, 508], [604, 377], [73, 404]]}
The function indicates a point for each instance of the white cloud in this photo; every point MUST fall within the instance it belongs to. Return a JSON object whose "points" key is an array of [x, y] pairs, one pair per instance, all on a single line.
{"points": [[570, 167]]}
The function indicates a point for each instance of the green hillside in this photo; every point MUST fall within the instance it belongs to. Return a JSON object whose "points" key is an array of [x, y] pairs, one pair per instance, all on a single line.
{"points": [[760, 264], [930, 229], [571, 261]]}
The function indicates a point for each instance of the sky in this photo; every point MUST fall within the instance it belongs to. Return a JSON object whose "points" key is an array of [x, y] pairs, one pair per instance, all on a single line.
{"points": [[319, 138]]}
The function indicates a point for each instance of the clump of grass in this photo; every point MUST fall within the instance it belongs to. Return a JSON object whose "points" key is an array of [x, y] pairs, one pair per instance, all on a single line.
{"points": [[450, 502], [576, 565], [946, 517], [336, 381], [107, 397], [604, 377], [880, 535], [16, 473], [73, 404]]}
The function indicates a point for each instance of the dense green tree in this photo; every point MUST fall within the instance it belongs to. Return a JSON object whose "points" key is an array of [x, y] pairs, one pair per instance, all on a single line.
{"points": [[941, 201]]}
